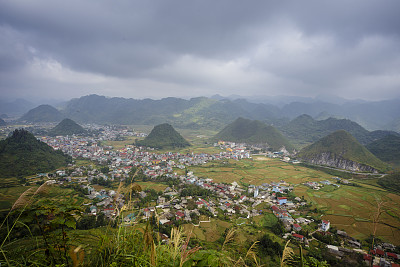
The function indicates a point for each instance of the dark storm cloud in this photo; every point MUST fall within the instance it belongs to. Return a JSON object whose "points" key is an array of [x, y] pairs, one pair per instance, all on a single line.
{"points": [[190, 48]]}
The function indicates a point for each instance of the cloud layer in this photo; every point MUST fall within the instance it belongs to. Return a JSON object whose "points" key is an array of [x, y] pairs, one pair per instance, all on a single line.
{"points": [[64, 49]]}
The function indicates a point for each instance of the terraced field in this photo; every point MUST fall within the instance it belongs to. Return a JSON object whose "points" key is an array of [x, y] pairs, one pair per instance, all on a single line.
{"points": [[349, 207], [257, 171]]}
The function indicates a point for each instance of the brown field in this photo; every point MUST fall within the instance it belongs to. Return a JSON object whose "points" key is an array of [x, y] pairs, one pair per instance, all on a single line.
{"points": [[121, 144], [351, 209], [10, 194], [210, 232], [152, 185], [257, 171]]}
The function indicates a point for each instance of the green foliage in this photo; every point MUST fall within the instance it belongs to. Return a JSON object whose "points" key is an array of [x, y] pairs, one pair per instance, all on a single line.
{"points": [[193, 190], [66, 127], [304, 130], [164, 136], [42, 113], [267, 247], [332, 172], [391, 182], [105, 169], [209, 258], [196, 113], [341, 144], [22, 154], [101, 181], [278, 228], [327, 238], [387, 148], [48, 221], [253, 132]]}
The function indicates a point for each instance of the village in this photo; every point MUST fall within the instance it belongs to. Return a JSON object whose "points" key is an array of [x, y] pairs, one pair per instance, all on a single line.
{"points": [[175, 205]]}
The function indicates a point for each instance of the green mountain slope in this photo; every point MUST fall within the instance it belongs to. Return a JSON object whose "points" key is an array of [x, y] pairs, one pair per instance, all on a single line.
{"points": [[391, 182], [2, 122], [341, 150], [304, 130], [164, 136], [253, 132], [23, 154], [387, 148], [66, 127], [195, 113], [42, 113]]}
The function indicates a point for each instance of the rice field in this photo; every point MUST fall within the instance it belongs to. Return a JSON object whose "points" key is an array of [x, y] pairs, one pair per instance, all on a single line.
{"points": [[210, 231], [352, 208], [349, 208], [258, 171], [152, 185]]}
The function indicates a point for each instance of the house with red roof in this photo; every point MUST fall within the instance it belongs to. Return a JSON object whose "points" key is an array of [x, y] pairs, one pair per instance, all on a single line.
{"points": [[276, 209], [325, 225], [367, 257], [392, 255], [298, 237], [296, 227], [179, 215]]}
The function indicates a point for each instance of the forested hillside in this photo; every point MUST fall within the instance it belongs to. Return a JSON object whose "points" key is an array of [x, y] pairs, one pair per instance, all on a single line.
{"points": [[22, 154]]}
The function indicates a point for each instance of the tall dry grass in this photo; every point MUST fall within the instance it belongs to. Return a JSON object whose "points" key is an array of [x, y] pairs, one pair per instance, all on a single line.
{"points": [[23, 202]]}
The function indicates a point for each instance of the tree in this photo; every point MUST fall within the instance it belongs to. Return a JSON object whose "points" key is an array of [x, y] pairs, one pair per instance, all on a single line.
{"points": [[105, 169]]}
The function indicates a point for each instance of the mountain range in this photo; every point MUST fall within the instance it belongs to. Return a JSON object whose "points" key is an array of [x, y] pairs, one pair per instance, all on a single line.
{"points": [[304, 130], [215, 113]]}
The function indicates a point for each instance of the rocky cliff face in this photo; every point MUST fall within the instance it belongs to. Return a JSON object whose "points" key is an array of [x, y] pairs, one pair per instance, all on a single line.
{"points": [[332, 160]]}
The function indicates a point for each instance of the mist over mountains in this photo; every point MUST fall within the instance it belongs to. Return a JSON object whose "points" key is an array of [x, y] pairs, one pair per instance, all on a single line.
{"points": [[217, 111]]}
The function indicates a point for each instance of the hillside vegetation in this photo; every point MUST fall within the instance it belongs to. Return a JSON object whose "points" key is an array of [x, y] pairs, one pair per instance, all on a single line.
{"points": [[391, 182], [66, 127], [164, 136], [22, 154], [304, 129], [42, 113], [387, 148], [338, 146], [253, 132], [196, 113]]}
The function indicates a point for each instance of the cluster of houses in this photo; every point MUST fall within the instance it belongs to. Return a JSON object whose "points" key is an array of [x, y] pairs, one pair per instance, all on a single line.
{"points": [[228, 199], [382, 255], [232, 200], [319, 185]]}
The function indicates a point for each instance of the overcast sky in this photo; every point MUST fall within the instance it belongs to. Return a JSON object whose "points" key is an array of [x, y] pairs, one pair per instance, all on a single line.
{"points": [[64, 49]]}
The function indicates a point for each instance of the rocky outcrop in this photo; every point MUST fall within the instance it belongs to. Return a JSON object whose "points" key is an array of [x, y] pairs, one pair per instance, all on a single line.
{"points": [[333, 160]]}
